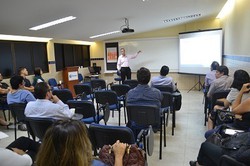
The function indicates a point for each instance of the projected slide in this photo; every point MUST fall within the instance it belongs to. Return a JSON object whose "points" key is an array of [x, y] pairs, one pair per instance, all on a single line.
{"points": [[198, 50]]}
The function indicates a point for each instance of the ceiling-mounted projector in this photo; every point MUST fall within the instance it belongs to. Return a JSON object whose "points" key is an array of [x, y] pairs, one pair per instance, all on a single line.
{"points": [[126, 29]]}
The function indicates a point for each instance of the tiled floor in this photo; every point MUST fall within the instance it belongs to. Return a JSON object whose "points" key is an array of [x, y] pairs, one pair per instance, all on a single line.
{"points": [[181, 148]]}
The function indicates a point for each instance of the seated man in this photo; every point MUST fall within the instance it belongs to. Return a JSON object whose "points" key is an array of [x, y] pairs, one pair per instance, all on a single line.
{"points": [[47, 105], [210, 77], [163, 79], [144, 94], [27, 85], [19, 95], [222, 81]]}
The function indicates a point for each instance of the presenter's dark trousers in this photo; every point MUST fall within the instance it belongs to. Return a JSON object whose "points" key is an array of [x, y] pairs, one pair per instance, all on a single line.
{"points": [[125, 72]]}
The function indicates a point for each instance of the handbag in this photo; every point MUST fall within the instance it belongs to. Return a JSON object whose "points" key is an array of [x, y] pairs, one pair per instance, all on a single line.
{"points": [[224, 116], [134, 156]]}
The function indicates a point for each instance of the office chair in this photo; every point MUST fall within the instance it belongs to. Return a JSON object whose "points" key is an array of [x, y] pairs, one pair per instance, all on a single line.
{"points": [[63, 94], [39, 126], [84, 90], [104, 97], [97, 84], [87, 109], [101, 135], [213, 101], [131, 83], [17, 111], [53, 83], [121, 91], [143, 115], [164, 88]]}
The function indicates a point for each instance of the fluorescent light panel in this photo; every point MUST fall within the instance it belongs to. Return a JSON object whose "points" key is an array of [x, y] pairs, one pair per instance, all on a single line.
{"points": [[23, 38], [59, 21], [226, 8], [104, 34]]}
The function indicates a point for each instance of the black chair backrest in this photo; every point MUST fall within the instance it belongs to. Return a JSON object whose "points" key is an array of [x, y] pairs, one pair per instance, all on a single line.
{"points": [[107, 135], [106, 96], [39, 126], [52, 82], [164, 88], [131, 83], [86, 108], [143, 114], [218, 95], [98, 84], [80, 88], [167, 100], [17, 111], [120, 89], [63, 94]]}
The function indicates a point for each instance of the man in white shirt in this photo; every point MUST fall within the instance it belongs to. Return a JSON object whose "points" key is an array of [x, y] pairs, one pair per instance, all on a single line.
{"points": [[47, 105], [123, 64]]}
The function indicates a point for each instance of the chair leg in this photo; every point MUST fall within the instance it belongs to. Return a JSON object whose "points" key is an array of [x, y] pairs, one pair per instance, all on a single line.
{"points": [[125, 115], [173, 121], [160, 155], [164, 125], [15, 129], [119, 114]]}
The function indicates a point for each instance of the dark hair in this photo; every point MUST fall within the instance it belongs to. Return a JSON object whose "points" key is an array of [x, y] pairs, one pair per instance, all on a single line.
{"points": [[41, 90], [164, 70], [20, 70], [240, 77], [37, 71], [214, 65], [15, 81], [143, 75], [223, 69]]}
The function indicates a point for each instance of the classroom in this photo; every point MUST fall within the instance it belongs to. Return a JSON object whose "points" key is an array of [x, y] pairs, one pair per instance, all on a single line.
{"points": [[159, 45]]}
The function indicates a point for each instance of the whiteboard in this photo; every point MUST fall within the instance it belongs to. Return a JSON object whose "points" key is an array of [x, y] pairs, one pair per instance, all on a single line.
{"points": [[156, 52]]}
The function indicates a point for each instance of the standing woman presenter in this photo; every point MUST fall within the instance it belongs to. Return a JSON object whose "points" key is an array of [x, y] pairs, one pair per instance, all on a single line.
{"points": [[123, 64]]}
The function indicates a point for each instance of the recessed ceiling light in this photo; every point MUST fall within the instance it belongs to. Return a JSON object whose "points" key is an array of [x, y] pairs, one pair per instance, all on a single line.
{"points": [[23, 38], [59, 21], [182, 18], [104, 34]]}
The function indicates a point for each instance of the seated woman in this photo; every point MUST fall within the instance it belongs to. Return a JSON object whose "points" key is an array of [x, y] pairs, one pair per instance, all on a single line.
{"points": [[38, 76], [240, 77], [66, 143], [241, 109], [21, 152]]}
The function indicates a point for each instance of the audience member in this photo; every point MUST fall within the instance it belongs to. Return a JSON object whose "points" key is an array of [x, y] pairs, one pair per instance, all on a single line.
{"points": [[210, 77], [241, 109], [24, 73], [222, 81], [123, 64], [240, 77], [38, 76], [19, 95], [66, 143], [4, 89], [209, 154], [47, 105], [143, 94], [21, 152], [163, 79]]}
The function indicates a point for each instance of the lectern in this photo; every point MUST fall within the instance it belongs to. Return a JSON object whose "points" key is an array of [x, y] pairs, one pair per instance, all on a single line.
{"points": [[70, 78]]}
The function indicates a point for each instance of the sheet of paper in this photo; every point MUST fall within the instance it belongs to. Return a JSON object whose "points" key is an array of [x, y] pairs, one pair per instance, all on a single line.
{"points": [[3, 135]]}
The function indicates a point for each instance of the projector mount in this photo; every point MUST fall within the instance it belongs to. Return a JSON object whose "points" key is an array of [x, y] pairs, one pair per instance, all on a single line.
{"points": [[126, 29]]}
